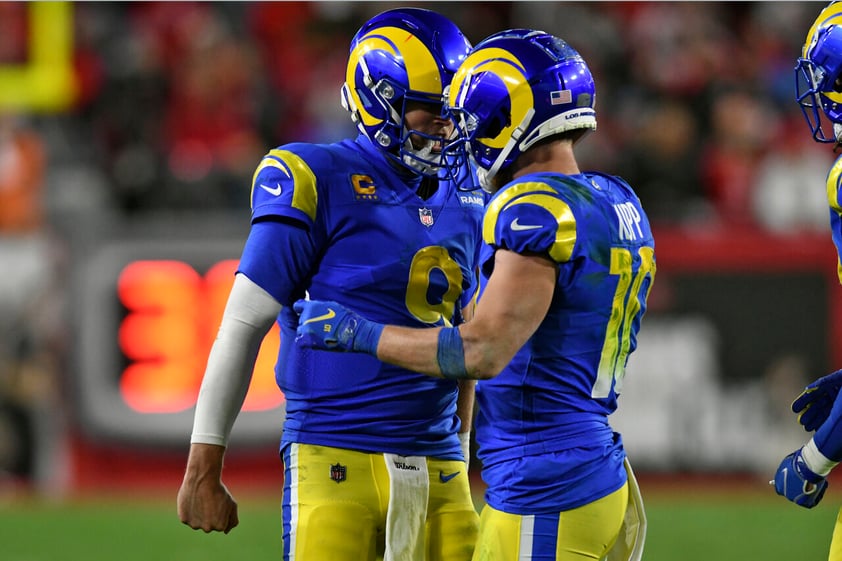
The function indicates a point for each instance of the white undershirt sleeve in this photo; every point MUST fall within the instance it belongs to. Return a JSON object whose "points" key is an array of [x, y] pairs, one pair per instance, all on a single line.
{"points": [[249, 314]]}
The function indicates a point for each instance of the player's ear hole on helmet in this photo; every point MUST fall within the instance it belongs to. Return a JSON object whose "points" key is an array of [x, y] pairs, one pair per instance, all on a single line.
{"points": [[837, 85], [495, 124]]}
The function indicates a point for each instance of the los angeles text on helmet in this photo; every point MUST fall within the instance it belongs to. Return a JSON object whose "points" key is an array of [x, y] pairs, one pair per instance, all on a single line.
{"points": [[577, 114]]}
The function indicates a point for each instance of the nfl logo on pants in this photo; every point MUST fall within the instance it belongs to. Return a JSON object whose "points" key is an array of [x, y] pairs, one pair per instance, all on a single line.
{"points": [[337, 472]]}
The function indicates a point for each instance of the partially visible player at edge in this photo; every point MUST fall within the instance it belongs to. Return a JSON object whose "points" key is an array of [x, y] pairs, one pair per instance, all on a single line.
{"points": [[374, 455], [801, 476], [567, 267]]}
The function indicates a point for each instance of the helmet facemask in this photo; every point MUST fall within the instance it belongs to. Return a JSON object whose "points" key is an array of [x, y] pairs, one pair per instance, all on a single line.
{"points": [[818, 82], [425, 153], [814, 105]]}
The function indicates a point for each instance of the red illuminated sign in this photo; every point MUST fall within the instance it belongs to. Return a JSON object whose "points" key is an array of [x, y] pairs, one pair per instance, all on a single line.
{"points": [[173, 313]]}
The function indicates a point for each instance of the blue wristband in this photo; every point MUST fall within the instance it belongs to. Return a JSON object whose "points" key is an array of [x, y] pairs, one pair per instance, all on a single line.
{"points": [[450, 354], [367, 335]]}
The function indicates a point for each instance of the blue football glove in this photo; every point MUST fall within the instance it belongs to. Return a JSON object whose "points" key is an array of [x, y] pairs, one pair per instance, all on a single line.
{"points": [[815, 402], [795, 481], [332, 327]]}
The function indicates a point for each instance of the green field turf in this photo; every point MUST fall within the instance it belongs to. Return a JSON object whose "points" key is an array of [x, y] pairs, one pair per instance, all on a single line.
{"points": [[684, 524]]}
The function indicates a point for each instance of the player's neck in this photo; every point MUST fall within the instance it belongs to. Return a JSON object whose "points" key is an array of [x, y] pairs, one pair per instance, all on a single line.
{"points": [[428, 187], [554, 157]]}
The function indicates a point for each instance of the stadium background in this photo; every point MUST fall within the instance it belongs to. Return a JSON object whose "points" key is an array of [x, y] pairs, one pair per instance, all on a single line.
{"points": [[128, 135]]}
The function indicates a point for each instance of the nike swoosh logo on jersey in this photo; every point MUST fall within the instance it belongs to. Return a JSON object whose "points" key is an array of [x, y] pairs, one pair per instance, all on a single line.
{"points": [[330, 314], [445, 478], [517, 226], [272, 191]]}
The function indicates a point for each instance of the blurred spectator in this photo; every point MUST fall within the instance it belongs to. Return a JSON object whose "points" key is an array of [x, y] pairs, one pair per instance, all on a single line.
{"points": [[788, 196], [21, 176], [26, 357], [771, 36], [32, 333], [304, 49], [212, 115], [673, 57], [177, 120], [662, 162], [13, 39], [743, 128]]}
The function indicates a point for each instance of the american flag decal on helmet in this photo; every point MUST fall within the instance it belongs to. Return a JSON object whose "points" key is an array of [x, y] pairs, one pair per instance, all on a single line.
{"points": [[337, 472], [426, 216], [560, 96]]}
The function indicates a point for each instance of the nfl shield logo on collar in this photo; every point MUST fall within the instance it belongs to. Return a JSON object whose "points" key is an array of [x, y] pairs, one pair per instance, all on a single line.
{"points": [[337, 472], [426, 216]]}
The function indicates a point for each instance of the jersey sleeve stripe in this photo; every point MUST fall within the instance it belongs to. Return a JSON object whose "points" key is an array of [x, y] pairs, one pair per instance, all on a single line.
{"points": [[502, 200], [565, 237], [305, 195], [542, 195]]}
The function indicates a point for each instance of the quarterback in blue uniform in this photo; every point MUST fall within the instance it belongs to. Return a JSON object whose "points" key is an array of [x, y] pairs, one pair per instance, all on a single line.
{"points": [[374, 454], [801, 476], [567, 264]]}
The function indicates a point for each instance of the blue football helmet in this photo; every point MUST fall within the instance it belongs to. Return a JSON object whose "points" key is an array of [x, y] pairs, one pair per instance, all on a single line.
{"points": [[818, 74], [401, 55], [515, 88]]}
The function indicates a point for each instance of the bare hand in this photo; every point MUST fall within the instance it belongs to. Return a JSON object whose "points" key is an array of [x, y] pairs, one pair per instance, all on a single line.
{"points": [[204, 502]]}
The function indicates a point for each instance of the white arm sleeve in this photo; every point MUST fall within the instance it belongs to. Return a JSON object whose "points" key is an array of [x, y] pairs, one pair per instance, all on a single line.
{"points": [[249, 314]]}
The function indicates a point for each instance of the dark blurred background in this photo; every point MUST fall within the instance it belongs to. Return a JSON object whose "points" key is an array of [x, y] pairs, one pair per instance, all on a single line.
{"points": [[129, 133]]}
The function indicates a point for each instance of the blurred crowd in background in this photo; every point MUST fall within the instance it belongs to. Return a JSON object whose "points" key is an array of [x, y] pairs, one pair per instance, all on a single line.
{"points": [[176, 102]]}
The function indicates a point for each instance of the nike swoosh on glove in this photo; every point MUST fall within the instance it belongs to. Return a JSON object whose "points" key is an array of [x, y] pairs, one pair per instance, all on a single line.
{"points": [[332, 327], [795, 481]]}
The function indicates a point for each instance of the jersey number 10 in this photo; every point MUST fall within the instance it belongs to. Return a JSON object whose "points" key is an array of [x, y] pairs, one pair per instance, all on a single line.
{"points": [[628, 306]]}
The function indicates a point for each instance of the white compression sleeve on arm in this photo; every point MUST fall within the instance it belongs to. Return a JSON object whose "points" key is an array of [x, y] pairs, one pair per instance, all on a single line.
{"points": [[249, 314]]}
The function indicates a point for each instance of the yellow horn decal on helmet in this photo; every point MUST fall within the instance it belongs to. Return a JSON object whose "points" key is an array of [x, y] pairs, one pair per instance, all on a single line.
{"points": [[421, 68], [831, 15], [505, 65]]}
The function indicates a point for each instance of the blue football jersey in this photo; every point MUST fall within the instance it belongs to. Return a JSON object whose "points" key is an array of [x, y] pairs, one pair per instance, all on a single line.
{"points": [[834, 199], [359, 234], [550, 405]]}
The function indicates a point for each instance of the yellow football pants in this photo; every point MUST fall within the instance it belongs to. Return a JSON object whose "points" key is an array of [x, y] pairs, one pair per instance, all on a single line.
{"points": [[836, 541], [336, 501], [586, 532]]}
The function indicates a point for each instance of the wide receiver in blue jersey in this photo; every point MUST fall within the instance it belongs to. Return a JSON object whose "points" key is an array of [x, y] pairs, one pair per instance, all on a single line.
{"points": [[568, 262], [374, 454], [801, 476]]}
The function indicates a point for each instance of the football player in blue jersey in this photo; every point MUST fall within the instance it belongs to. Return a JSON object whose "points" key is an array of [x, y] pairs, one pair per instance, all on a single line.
{"points": [[374, 455], [802, 475], [568, 261]]}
